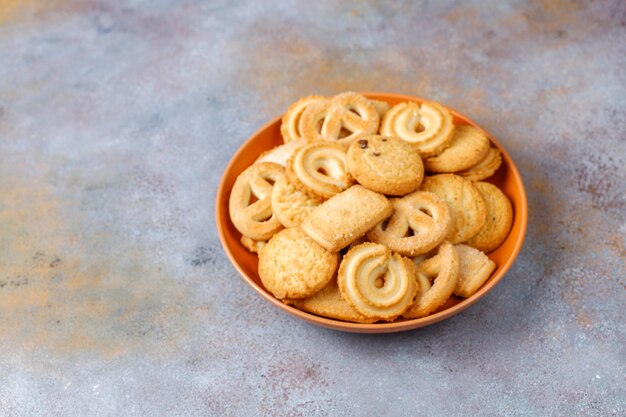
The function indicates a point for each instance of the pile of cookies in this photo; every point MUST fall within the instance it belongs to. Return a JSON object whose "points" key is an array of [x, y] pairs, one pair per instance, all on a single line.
{"points": [[348, 226]]}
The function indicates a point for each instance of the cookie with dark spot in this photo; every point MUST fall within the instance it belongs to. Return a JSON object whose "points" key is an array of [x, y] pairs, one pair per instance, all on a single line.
{"points": [[386, 165]]}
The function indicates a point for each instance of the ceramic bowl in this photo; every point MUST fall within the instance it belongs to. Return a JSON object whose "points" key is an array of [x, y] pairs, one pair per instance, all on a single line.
{"points": [[507, 178]]}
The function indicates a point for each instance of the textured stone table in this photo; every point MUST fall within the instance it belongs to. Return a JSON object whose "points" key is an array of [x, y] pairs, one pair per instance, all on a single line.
{"points": [[117, 120]]}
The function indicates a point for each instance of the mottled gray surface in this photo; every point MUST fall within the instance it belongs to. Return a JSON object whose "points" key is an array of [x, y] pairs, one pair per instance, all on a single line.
{"points": [[118, 118]]}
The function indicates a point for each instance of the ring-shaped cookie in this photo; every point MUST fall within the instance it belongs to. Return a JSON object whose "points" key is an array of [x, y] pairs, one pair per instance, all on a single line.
{"points": [[375, 282], [444, 268], [255, 219], [341, 119], [420, 221], [290, 126], [319, 169], [429, 126]]}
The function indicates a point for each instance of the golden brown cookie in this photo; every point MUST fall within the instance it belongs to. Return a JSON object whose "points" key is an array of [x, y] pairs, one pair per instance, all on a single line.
{"points": [[468, 147], [291, 205], [469, 212], [319, 169], [290, 126], [381, 107], [280, 154], [419, 223], [499, 218], [250, 201], [485, 168], [340, 119], [346, 217], [292, 265], [252, 245], [328, 302], [428, 127], [476, 268], [377, 283], [444, 268], [386, 165]]}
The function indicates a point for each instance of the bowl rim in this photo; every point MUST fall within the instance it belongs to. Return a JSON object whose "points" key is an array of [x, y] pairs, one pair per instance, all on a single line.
{"points": [[377, 327]]}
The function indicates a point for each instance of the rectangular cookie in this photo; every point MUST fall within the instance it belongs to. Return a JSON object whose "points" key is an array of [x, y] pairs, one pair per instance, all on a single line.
{"points": [[345, 217]]}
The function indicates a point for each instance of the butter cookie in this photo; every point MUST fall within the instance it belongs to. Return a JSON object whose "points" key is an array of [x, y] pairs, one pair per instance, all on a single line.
{"points": [[290, 204], [319, 169], [290, 126], [340, 119], [375, 282], [386, 165], [419, 223], [499, 218], [428, 127], [328, 302], [476, 268], [344, 218], [444, 269], [250, 203], [469, 212], [294, 266], [485, 168], [468, 147]]}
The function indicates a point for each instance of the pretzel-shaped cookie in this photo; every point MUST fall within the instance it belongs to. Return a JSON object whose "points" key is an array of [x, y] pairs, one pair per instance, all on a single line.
{"points": [[255, 219], [319, 169], [445, 269], [290, 127], [375, 282], [341, 119], [420, 221], [429, 126]]}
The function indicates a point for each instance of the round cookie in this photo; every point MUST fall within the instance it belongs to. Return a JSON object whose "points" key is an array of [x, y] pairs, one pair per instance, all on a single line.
{"points": [[468, 147], [499, 218], [291, 205], [385, 164], [469, 212], [294, 266], [485, 168]]}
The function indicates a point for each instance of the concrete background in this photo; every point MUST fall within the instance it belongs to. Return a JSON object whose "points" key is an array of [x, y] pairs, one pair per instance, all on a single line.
{"points": [[118, 118]]}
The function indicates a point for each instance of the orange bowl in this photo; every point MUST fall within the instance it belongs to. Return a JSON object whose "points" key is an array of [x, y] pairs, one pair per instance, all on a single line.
{"points": [[507, 178]]}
